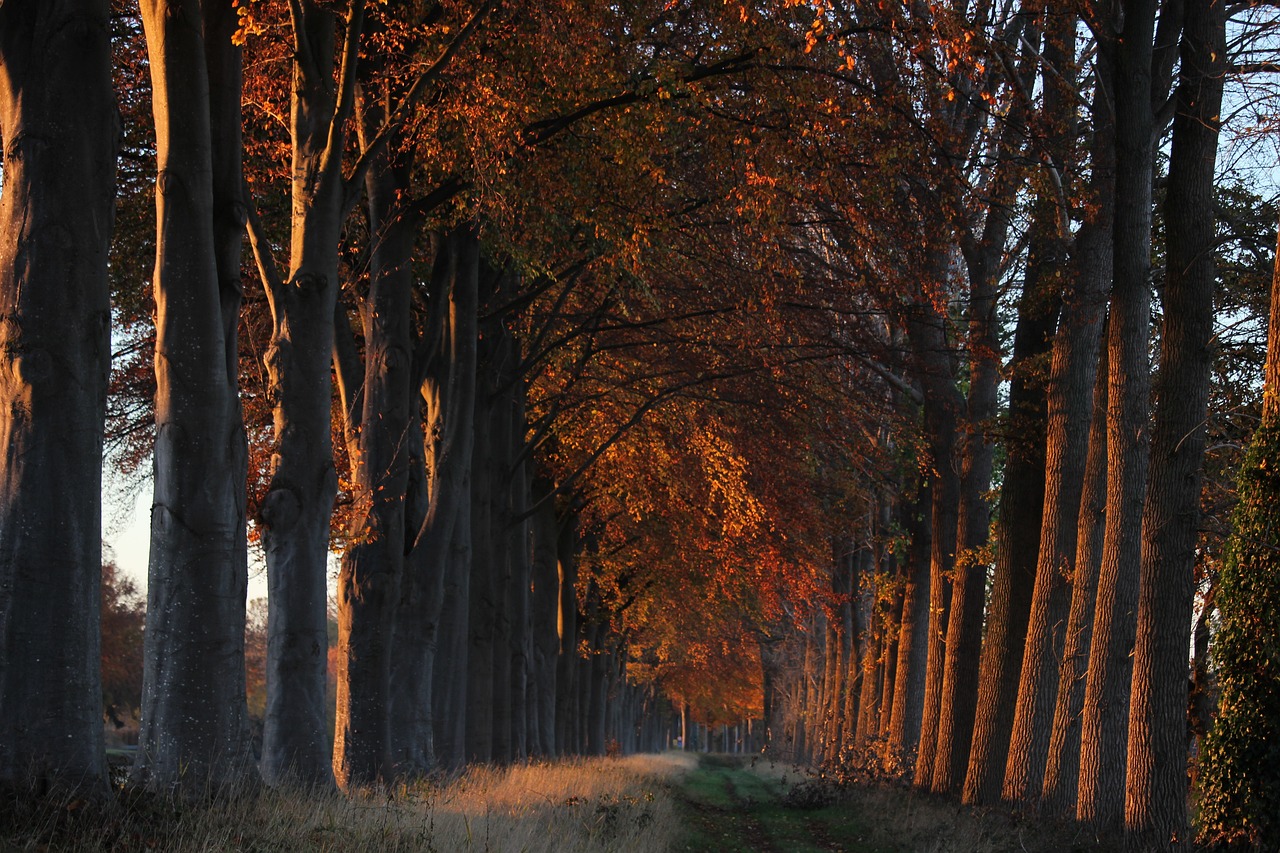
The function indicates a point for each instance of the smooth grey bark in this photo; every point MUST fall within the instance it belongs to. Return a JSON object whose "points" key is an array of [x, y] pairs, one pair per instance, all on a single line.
{"points": [[484, 595], [369, 580], [1156, 780], [298, 505], [58, 134], [195, 734], [545, 605], [449, 682], [448, 390], [519, 590], [568, 669], [1104, 731]]}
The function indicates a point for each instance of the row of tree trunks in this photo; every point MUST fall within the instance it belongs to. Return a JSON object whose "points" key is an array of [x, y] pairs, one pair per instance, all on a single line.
{"points": [[1084, 656]]}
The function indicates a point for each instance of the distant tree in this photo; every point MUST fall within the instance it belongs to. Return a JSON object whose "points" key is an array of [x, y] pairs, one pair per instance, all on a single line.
{"points": [[255, 657], [123, 617]]}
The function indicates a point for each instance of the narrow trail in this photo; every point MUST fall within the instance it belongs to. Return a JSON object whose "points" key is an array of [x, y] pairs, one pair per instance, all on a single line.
{"points": [[731, 807]]}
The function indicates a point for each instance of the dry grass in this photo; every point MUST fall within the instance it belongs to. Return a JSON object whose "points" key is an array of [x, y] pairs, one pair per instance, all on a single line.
{"points": [[604, 804]]}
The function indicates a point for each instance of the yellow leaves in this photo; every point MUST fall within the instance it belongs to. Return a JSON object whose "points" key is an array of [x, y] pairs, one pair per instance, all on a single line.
{"points": [[246, 23]]}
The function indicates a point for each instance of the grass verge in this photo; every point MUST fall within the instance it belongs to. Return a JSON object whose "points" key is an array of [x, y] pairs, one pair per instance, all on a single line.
{"points": [[602, 804]]}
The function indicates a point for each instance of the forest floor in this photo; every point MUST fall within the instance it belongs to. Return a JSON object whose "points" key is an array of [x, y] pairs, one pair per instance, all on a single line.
{"points": [[676, 801]]}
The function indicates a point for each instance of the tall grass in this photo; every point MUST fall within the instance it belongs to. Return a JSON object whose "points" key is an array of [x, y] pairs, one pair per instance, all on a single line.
{"points": [[600, 804]]}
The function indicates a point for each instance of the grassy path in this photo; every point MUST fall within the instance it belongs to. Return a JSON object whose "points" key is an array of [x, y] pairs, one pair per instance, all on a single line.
{"points": [[731, 806]]}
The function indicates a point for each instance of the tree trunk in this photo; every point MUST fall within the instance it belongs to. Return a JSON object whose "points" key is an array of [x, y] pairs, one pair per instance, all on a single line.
{"points": [[941, 407], [299, 501], [448, 389], [195, 728], [568, 670], [1020, 515], [57, 132], [370, 577], [546, 611], [908, 689], [1070, 407], [1062, 767], [1106, 705], [482, 597], [1156, 784]]}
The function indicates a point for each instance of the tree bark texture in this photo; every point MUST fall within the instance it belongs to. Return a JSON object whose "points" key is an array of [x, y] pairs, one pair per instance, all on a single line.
{"points": [[1069, 405], [1106, 705], [58, 132], [1021, 508], [941, 412], [448, 389], [369, 580], [913, 637], [1062, 762], [299, 501], [1156, 784], [195, 733]]}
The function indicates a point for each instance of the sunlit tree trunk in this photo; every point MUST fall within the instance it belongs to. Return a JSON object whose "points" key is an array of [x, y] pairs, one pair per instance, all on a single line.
{"points": [[1104, 729], [1062, 761], [908, 690], [299, 501], [1156, 784], [195, 732], [1022, 491], [58, 135], [942, 406], [1070, 394]]}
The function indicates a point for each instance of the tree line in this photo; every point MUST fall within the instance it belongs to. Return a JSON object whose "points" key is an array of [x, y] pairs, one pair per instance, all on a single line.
{"points": [[794, 363]]}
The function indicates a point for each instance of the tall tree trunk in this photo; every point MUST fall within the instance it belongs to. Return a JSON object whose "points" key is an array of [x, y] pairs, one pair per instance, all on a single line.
{"points": [[546, 611], [452, 659], [299, 501], [1106, 705], [482, 597], [448, 389], [370, 576], [568, 670], [1062, 767], [908, 689], [57, 132], [195, 732], [942, 404], [1156, 784], [1069, 396], [1020, 516]]}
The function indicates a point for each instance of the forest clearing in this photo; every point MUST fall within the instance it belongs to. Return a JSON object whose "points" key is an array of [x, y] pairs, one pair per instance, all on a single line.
{"points": [[888, 388]]}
